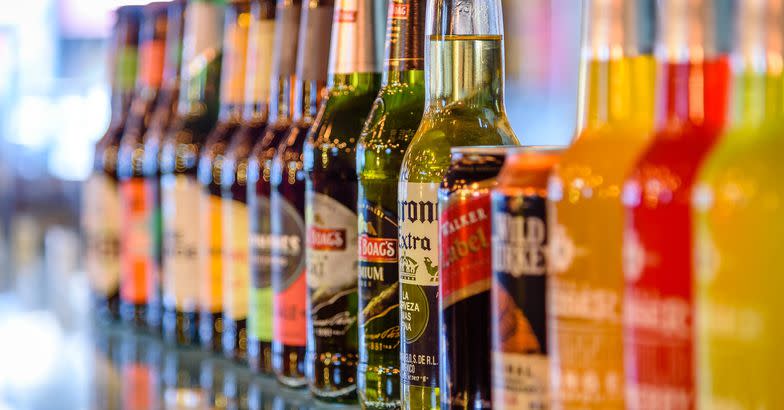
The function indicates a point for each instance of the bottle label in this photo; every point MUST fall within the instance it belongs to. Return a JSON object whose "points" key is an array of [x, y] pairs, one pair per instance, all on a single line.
{"points": [[236, 264], [313, 61], [101, 220], [235, 49], [519, 306], [331, 264], [465, 247], [288, 273], [180, 196], [418, 272], [211, 252], [379, 317], [138, 256], [259, 70], [152, 56], [260, 315], [126, 66]]}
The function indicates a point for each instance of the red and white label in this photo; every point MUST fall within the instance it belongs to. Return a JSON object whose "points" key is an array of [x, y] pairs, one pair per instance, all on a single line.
{"points": [[327, 239], [380, 250]]}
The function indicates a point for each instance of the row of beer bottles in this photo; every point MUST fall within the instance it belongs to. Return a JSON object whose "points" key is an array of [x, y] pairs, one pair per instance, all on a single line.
{"points": [[591, 298]]}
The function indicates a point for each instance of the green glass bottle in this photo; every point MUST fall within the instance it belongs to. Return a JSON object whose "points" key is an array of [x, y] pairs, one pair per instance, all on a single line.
{"points": [[197, 115], [465, 107], [331, 199], [284, 62], [392, 123]]}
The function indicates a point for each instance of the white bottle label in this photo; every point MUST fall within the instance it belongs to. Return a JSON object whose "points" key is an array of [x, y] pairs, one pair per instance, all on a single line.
{"points": [[101, 222], [418, 242], [180, 202]]}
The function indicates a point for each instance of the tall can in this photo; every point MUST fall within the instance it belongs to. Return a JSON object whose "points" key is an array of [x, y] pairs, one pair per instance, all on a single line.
{"points": [[465, 260], [518, 297]]}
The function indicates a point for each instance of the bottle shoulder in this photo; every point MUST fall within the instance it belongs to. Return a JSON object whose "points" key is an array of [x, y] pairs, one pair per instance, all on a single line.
{"points": [[428, 155]]}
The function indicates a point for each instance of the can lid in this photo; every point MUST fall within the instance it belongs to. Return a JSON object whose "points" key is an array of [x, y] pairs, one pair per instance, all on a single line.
{"points": [[546, 149], [482, 150]]}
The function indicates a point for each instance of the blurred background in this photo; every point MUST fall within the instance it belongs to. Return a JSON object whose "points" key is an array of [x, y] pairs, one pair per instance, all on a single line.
{"points": [[54, 105]]}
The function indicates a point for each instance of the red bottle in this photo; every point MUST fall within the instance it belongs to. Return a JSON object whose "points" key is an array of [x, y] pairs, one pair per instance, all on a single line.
{"points": [[658, 303]]}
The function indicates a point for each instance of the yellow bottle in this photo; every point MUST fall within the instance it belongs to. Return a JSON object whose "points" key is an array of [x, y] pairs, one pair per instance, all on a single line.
{"points": [[586, 216], [738, 210]]}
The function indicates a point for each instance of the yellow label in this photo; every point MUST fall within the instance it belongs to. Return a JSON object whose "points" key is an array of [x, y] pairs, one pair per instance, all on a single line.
{"points": [[211, 244], [236, 267]]}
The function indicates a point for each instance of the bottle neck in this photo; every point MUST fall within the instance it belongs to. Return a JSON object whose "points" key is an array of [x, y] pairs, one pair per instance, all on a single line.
{"points": [[123, 82], [757, 63], [356, 44], [173, 52], [617, 68], [694, 74], [313, 51], [405, 43], [235, 55], [201, 61], [284, 60], [466, 70]]}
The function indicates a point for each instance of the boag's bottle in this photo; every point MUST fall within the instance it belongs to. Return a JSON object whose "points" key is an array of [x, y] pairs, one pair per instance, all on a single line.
{"points": [[394, 119], [658, 265], [464, 107], [287, 197], [101, 203], [197, 114], [331, 198], [234, 181], [139, 267], [585, 214], [284, 62], [737, 206], [236, 44]]}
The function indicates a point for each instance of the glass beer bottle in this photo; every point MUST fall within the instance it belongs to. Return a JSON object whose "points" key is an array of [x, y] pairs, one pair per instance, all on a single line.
{"points": [[139, 268], [331, 199], [393, 120], [266, 141], [236, 43], [287, 197], [234, 178], [464, 107], [101, 202], [197, 114], [160, 120], [657, 253], [737, 207], [585, 213]]}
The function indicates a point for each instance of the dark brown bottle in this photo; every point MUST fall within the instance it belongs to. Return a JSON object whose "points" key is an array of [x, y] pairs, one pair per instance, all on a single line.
{"points": [[101, 203], [209, 206], [139, 268], [331, 198], [161, 119], [287, 197], [234, 214], [284, 61], [197, 114]]}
